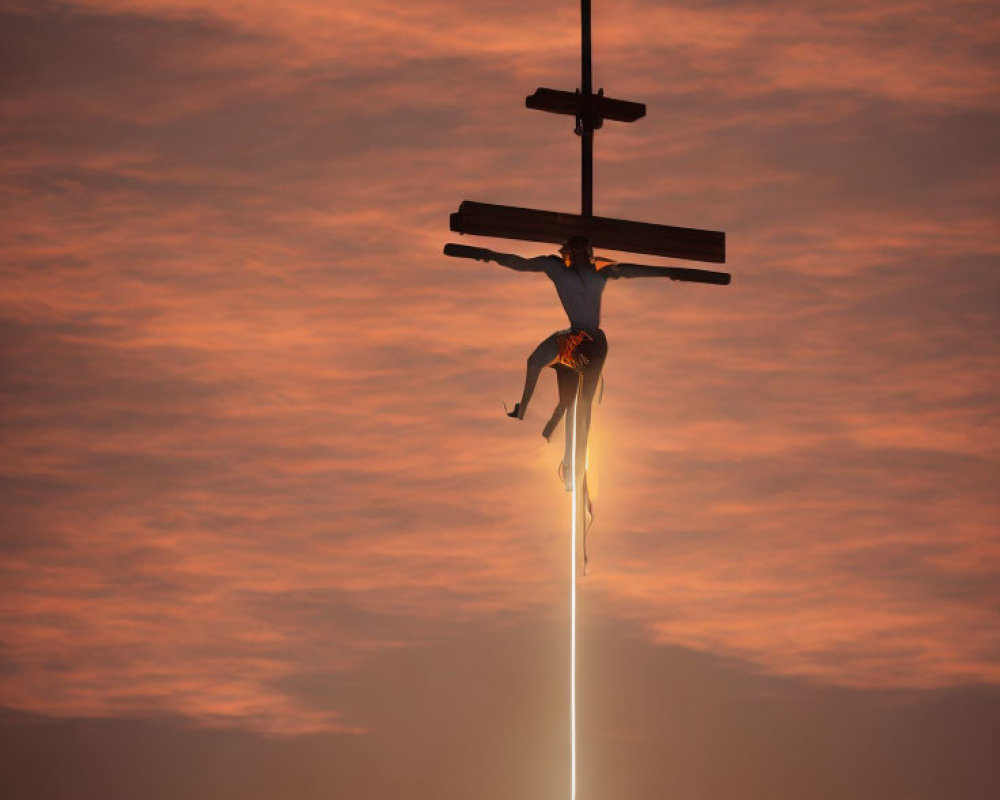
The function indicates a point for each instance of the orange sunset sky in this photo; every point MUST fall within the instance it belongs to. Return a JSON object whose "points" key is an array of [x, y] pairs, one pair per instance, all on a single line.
{"points": [[266, 531]]}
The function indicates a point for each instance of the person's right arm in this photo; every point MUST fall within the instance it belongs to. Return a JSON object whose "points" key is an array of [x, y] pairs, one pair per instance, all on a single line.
{"points": [[519, 263], [508, 260]]}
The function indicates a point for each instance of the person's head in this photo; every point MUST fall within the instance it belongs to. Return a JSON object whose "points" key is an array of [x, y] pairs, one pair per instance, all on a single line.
{"points": [[577, 251]]}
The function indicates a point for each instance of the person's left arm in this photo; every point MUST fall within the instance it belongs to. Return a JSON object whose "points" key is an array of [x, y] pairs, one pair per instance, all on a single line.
{"points": [[620, 270]]}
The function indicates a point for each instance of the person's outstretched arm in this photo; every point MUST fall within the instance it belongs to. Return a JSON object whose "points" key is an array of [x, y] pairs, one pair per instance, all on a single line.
{"points": [[619, 270], [508, 260]]}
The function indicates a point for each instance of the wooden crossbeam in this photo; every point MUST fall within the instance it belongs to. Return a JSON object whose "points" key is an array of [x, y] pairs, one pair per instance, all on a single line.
{"points": [[511, 222], [593, 108], [674, 273]]}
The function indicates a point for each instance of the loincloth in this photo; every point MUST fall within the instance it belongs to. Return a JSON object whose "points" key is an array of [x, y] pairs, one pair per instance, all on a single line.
{"points": [[569, 349]]}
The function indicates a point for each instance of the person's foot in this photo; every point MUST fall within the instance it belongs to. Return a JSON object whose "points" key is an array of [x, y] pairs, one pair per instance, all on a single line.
{"points": [[566, 476], [516, 413]]}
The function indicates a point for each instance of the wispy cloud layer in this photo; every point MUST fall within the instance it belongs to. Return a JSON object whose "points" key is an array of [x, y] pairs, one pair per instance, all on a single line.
{"points": [[251, 416]]}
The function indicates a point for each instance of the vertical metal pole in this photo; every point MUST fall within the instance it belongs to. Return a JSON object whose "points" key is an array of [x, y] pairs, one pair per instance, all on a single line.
{"points": [[586, 210], [586, 131], [587, 171]]}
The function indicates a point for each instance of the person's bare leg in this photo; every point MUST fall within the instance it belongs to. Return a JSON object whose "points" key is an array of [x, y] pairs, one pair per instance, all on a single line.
{"points": [[567, 380], [540, 358], [588, 387], [572, 399], [596, 352]]}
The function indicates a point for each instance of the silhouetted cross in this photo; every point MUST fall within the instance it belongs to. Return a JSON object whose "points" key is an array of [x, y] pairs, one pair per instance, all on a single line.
{"points": [[580, 294], [590, 110]]}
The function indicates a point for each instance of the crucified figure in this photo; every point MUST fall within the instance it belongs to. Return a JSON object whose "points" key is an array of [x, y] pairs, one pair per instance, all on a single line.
{"points": [[577, 353]]}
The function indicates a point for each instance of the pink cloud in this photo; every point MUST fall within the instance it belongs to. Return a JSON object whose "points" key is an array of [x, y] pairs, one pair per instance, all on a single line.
{"points": [[254, 421]]}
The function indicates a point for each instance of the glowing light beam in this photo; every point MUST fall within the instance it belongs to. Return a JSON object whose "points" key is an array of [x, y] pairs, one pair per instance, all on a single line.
{"points": [[572, 615]]}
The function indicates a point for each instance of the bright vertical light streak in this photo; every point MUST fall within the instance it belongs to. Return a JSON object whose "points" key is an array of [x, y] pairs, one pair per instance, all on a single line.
{"points": [[572, 620]]}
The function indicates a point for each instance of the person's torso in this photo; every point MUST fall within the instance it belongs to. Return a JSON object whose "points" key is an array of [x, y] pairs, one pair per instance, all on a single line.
{"points": [[580, 293]]}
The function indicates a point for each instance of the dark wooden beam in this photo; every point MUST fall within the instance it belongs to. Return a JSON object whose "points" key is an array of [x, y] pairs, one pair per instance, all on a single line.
{"points": [[511, 222], [674, 273], [595, 107], [584, 126]]}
